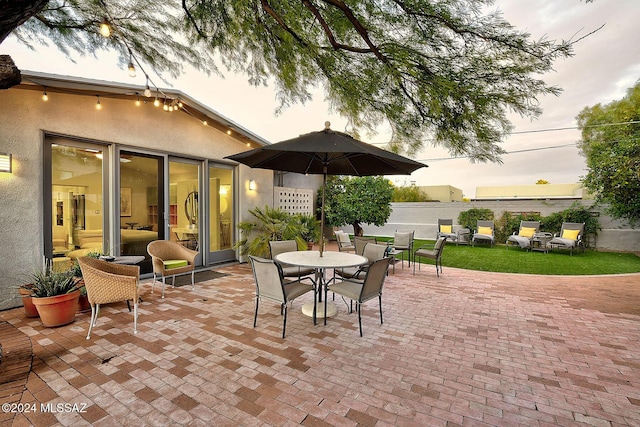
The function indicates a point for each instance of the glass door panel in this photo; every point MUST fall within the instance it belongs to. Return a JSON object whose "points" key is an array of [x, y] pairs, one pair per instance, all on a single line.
{"points": [[221, 203], [142, 209], [184, 203], [76, 200]]}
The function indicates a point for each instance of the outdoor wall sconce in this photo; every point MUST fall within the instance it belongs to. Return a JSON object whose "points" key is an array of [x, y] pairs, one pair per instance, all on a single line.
{"points": [[252, 185], [5, 162]]}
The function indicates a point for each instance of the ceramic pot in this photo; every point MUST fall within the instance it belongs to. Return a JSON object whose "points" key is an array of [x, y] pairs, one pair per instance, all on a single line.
{"points": [[29, 309], [58, 310]]}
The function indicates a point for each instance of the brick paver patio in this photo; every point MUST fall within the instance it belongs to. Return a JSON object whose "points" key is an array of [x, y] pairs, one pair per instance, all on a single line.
{"points": [[468, 348]]}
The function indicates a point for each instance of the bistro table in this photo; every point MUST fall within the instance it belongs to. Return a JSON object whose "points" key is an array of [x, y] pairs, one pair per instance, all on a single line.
{"points": [[124, 259], [312, 259]]}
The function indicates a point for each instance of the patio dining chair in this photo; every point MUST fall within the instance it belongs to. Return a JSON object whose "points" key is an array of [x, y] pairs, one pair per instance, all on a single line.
{"points": [[403, 241], [434, 253], [372, 252], [270, 284], [361, 291], [277, 247], [360, 242]]}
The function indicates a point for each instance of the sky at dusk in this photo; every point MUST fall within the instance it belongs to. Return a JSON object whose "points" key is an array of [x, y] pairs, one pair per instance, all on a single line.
{"points": [[605, 64]]}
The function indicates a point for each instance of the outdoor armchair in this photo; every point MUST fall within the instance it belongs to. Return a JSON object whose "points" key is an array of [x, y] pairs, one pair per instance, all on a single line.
{"points": [[107, 282], [484, 233], [344, 242], [277, 247], [169, 259], [360, 242], [362, 291], [570, 237], [270, 284], [525, 234], [434, 253]]}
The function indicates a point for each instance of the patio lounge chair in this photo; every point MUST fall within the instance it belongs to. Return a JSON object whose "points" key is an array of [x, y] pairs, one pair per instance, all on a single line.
{"points": [[435, 254], [570, 237], [484, 233], [525, 234], [446, 228]]}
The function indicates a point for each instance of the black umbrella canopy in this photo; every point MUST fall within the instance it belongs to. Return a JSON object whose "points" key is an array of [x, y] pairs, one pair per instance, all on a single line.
{"points": [[328, 153], [340, 153]]}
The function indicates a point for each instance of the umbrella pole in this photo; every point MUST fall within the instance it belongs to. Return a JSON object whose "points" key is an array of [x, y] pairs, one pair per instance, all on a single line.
{"points": [[324, 187]]}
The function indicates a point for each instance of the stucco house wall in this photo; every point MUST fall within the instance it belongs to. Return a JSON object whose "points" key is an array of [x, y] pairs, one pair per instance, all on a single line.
{"points": [[24, 120]]}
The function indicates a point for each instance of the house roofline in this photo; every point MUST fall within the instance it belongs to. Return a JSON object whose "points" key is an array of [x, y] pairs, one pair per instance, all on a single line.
{"points": [[84, 86]]}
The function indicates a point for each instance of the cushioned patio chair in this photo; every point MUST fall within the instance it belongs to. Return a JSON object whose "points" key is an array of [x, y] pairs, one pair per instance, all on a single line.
{"points": [[277, 247], [344, 242], [270, 284], [169, 259], [362, 291], [570, 237], [107, 282], [484, 233], [434, 253], [525, 234]]}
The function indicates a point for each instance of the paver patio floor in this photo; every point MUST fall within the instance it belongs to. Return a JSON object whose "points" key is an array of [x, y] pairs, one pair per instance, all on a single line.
{"points": [[467, 348]]}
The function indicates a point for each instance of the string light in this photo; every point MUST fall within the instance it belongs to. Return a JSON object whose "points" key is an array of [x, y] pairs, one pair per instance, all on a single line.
{"points": [[45, 97], [105, 28], [147, 90], [132, 69], [98, 105], [138, 101], [204, 122], [228, 131], [156, 103]]}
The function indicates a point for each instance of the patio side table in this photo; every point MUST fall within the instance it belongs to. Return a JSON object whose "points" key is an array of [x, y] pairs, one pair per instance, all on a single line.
{"points": [[539, 242]]}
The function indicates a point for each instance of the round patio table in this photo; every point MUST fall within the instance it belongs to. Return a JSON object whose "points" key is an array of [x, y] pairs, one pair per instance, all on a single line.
{"points": [[312, 259]]}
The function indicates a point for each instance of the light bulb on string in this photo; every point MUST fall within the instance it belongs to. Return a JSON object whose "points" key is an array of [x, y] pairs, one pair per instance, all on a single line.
{"points": [[105, 28], [132, 69], [98, 105], [156, 103], [138, 101], [45, 97], [147, 90]]}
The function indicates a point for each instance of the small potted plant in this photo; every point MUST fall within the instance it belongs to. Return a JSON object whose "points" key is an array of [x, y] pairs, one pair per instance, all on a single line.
{"points": [[55, 295], [25, 292], [309, 230]]}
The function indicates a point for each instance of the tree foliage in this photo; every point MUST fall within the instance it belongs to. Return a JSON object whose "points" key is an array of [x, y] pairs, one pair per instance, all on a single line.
{"points": [[611, 145], [447, 71], [357, 200], [410, 193]]}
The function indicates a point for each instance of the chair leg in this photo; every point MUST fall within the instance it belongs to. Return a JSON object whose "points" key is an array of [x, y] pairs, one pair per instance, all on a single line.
{"points": [[255, 316], [380, 303], [284, 322], [153, 285], [359, 308], [92, 320], [135, 317], [163, 286], [193, 285]]}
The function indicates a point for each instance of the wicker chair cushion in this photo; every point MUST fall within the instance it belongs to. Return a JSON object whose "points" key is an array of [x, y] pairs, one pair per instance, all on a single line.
{"points": [[175, 263]]}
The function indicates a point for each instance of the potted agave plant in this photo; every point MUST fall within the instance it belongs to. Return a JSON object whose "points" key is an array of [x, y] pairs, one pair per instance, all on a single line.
{"points": [[55, 295], [25, 292]]}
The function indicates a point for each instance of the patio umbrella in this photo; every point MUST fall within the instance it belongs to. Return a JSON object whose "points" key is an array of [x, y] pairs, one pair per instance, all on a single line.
{"points": [[327, 152]]}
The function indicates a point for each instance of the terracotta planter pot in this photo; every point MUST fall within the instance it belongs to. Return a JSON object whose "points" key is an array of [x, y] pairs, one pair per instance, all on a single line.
{"points": [[29, 309], [83, 301], [58, 310]]}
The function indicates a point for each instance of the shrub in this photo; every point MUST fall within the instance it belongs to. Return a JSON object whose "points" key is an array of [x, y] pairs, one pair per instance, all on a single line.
{"points": [[469, 218], [509, 223]]}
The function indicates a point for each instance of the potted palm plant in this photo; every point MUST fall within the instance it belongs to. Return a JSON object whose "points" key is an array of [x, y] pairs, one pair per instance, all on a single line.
{"points": [[55, 295], [310, 229]]}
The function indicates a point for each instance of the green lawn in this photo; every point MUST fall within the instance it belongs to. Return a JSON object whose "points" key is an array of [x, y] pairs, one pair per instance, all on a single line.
{"points": [[516, 260]]}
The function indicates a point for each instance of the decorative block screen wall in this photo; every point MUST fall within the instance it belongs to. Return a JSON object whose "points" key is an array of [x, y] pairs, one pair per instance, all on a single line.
{"points": [[293, 200]]}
